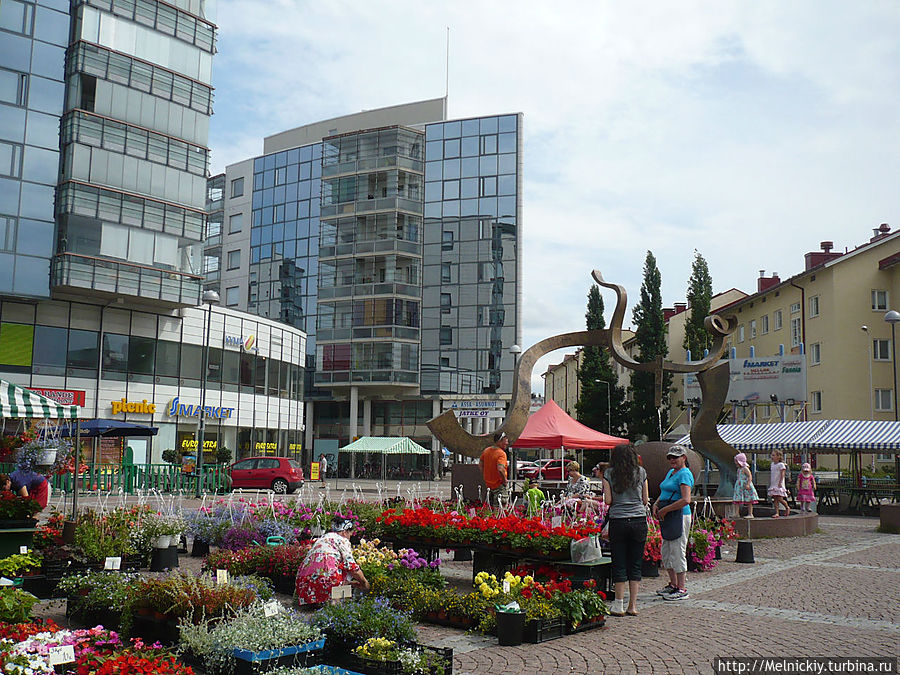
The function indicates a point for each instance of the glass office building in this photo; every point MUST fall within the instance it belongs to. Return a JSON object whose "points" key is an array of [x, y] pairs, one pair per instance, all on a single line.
{"points": [[33, 41], [395, 246]]}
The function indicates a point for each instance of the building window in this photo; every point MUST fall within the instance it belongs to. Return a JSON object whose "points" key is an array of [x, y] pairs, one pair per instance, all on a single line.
{"points": [[796, 336], [447, 241], [7, 233], [741, 333], [17, 17], [10, 159], [795, 308], [235, 223], [13, 87], [232, 296], [764, 324], [815, 354], [752, 328], [445, 303], [776, 319], [816, 401], [237, 187], [881, 350], [445, 273], [879, 300], [884, 399], [814, 306], [446, 335], [234, 259]]}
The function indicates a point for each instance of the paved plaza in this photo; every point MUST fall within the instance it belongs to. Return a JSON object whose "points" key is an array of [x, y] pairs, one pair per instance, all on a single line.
{"points": [[833, 593]]}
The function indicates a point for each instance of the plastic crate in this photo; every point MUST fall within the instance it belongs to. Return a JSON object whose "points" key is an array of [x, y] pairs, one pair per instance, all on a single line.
{"points": [[248, 662], [587, 625], [541, 630], [370, 667]]}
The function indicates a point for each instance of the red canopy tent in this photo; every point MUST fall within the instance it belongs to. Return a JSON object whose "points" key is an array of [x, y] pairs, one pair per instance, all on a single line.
{"points": [[550, 427]]}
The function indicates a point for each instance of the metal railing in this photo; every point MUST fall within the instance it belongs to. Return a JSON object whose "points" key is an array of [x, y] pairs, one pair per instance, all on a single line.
{"points": [[167, 478]]}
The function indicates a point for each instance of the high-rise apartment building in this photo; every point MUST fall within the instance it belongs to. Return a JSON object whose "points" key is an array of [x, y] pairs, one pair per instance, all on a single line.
{"points": [[392, 238], [104, 119]]}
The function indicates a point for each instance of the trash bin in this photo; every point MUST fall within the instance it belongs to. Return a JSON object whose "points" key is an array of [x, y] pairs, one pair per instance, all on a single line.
{"points": [[510, 628]]}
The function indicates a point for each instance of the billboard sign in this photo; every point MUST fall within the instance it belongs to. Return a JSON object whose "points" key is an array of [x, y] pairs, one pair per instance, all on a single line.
{"points": [[756, 379]]}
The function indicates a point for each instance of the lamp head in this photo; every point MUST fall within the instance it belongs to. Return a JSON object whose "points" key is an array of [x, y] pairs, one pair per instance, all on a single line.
{"points": [[892, 317], [864, 327], [210, 298]]}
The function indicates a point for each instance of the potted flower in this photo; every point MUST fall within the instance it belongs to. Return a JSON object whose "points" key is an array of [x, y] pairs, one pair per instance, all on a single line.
{"points": [[164, 530], [17, 522], [701, 549], [652, 550]]}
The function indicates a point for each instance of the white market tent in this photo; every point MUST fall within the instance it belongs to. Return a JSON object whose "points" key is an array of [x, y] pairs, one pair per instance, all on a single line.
{"points": [[386, 445]]}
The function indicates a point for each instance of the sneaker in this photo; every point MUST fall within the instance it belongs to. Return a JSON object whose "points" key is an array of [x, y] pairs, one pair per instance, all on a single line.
{"points": [[677, 594], [666, 590]]}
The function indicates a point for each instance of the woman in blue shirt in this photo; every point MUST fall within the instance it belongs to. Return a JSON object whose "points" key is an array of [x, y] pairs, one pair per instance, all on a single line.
{"points": [[675, 493]]}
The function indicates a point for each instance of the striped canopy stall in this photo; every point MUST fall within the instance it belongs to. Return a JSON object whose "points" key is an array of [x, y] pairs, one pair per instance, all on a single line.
{"points": [[866, 435], [388, 445], [16, 401], [763, 437]]}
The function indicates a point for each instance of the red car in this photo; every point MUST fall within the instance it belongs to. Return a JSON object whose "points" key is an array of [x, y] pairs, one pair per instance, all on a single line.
{"points": [[279, 474], [555, 469]]}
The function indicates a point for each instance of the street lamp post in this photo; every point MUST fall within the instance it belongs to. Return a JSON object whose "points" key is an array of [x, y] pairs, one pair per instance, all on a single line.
{"points": [[865, 329], [892, 318], [209, 299], [608, 406], [515, 350]]}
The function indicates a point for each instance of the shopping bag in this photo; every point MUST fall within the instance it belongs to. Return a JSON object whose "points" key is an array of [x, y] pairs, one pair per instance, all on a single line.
{"points": [[585, 550]]}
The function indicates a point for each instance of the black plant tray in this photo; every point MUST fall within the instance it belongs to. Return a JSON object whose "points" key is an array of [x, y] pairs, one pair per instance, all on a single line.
{"points": [[151, 629], [587, 625], [541, 630], [41, 586], [370, 667]]}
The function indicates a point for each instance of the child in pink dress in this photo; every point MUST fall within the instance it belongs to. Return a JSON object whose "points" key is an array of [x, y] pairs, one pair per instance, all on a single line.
{"points": [[806, 487], [744, 491]]}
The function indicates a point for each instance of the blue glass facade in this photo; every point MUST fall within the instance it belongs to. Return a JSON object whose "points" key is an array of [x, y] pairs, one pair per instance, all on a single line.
{"points": [[33, 40]]}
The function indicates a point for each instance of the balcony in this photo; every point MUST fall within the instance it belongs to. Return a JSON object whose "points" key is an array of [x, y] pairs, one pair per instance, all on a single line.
{"points": [[109, 278]]}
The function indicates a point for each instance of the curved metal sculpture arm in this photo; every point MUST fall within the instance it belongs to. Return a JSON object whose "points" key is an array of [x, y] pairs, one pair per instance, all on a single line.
{"points": [[447, 428], [705, 436], [715, 324]]}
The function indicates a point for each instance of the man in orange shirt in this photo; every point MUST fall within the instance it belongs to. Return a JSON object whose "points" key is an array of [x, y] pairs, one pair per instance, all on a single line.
{"points": [[493, 466]]}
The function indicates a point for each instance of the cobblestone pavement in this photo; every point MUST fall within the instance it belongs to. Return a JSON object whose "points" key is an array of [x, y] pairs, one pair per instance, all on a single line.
{"points": [[834, 593]]}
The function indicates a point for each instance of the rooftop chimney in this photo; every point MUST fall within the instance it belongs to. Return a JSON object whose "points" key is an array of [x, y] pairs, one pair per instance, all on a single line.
{"points": [[816, 258], [764, 283], [680, 307], [668, 313], [878, 232], [827, 246]]}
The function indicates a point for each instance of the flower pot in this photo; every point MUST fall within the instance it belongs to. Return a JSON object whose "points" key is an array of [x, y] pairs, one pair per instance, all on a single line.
{"points": [[510, 628], [46, 457], [719, 551], [649, 569], [164, 559], [162, 541], [541, 630], [200, 549]]}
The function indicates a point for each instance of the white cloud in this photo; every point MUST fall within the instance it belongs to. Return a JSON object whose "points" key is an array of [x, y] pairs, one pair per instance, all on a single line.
{"points": [[750, 131]]}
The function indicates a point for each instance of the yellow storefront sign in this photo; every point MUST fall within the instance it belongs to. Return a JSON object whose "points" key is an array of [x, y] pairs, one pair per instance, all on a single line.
{"points": [[124, 406], [314, 471]]}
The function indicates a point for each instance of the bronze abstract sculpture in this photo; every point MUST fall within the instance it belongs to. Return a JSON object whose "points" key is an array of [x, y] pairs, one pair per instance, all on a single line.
{"points": [[712, 375]]}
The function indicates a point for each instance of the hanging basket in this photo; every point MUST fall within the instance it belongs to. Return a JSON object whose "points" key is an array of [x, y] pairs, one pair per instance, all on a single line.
{"points": [[46, 457]]}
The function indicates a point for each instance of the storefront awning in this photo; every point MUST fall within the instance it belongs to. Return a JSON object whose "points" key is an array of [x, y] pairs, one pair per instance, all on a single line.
{"points": [[16, 401], [869, 435], [109, 428], [764, 437]]}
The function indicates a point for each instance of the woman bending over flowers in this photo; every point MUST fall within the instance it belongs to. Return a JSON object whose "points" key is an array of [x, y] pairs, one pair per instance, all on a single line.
{"points": [[329, 563]]}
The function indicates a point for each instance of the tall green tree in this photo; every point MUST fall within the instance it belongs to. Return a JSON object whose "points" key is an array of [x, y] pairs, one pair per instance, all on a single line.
{"points": [[650, 335], [699, 296], [602, 404]]}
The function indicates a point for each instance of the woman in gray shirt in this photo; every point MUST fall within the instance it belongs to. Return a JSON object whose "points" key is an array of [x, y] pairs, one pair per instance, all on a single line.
{"points": [[625, 491]]}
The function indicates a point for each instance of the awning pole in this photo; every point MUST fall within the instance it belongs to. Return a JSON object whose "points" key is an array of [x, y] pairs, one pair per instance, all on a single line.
{"points": [[77, 467]]}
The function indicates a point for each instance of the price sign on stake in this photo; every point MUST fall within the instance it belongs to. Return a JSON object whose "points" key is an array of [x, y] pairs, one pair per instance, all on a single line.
{"points": [[222, 577], [64, 654], [556, 521], [505, 586], [341, 592], [471, 513], [23, 550], [113, 563], [271, 608]]}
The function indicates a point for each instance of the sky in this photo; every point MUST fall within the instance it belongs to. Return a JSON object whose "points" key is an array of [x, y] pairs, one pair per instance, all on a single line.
{"points": [[747, 131]]}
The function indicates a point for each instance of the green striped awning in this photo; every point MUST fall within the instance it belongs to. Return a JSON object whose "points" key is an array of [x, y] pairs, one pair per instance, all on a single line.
{"points": [[388, 445], [16, 401]]}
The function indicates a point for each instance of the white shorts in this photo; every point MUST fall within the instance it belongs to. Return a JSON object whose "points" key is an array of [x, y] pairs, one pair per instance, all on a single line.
{"points": [[673, 551]]}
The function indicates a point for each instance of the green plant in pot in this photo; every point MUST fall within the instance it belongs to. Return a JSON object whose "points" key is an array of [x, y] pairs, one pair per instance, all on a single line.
{"points": [[19, 564], [15, 605], [163, 530], [14, 507]]}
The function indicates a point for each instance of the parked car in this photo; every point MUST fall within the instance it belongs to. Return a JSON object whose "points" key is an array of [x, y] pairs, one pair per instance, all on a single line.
{"points": [[554, 469], [279, 474], [533, 471]]}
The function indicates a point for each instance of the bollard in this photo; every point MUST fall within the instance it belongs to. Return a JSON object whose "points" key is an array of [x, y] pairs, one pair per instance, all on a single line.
{"points": [[745, 552]]}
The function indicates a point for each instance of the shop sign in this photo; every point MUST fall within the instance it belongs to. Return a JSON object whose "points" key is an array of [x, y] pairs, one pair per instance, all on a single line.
{"points": [[177, 409], [477, 408], [62, 396], [248, 343], [262, 445], [124, 406], [208, 444], [295, 446]]}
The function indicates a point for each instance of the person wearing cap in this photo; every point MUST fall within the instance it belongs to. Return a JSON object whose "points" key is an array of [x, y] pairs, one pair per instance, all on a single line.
{"points": [[675, 496], [806, 487], [744, 490], [329, 563], [494, 465]]}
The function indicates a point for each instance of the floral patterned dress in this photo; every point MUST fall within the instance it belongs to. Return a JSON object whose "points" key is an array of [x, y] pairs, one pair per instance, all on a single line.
{"points": [[744, 490], [328, 564]]}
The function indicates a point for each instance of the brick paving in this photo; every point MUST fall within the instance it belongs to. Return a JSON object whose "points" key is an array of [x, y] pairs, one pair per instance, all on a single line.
{"points": [[833, 593]]}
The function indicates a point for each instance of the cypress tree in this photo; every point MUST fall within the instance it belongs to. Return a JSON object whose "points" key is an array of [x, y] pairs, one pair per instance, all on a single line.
{"points": [[600, 393], [699, 296], [650, 334]]}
